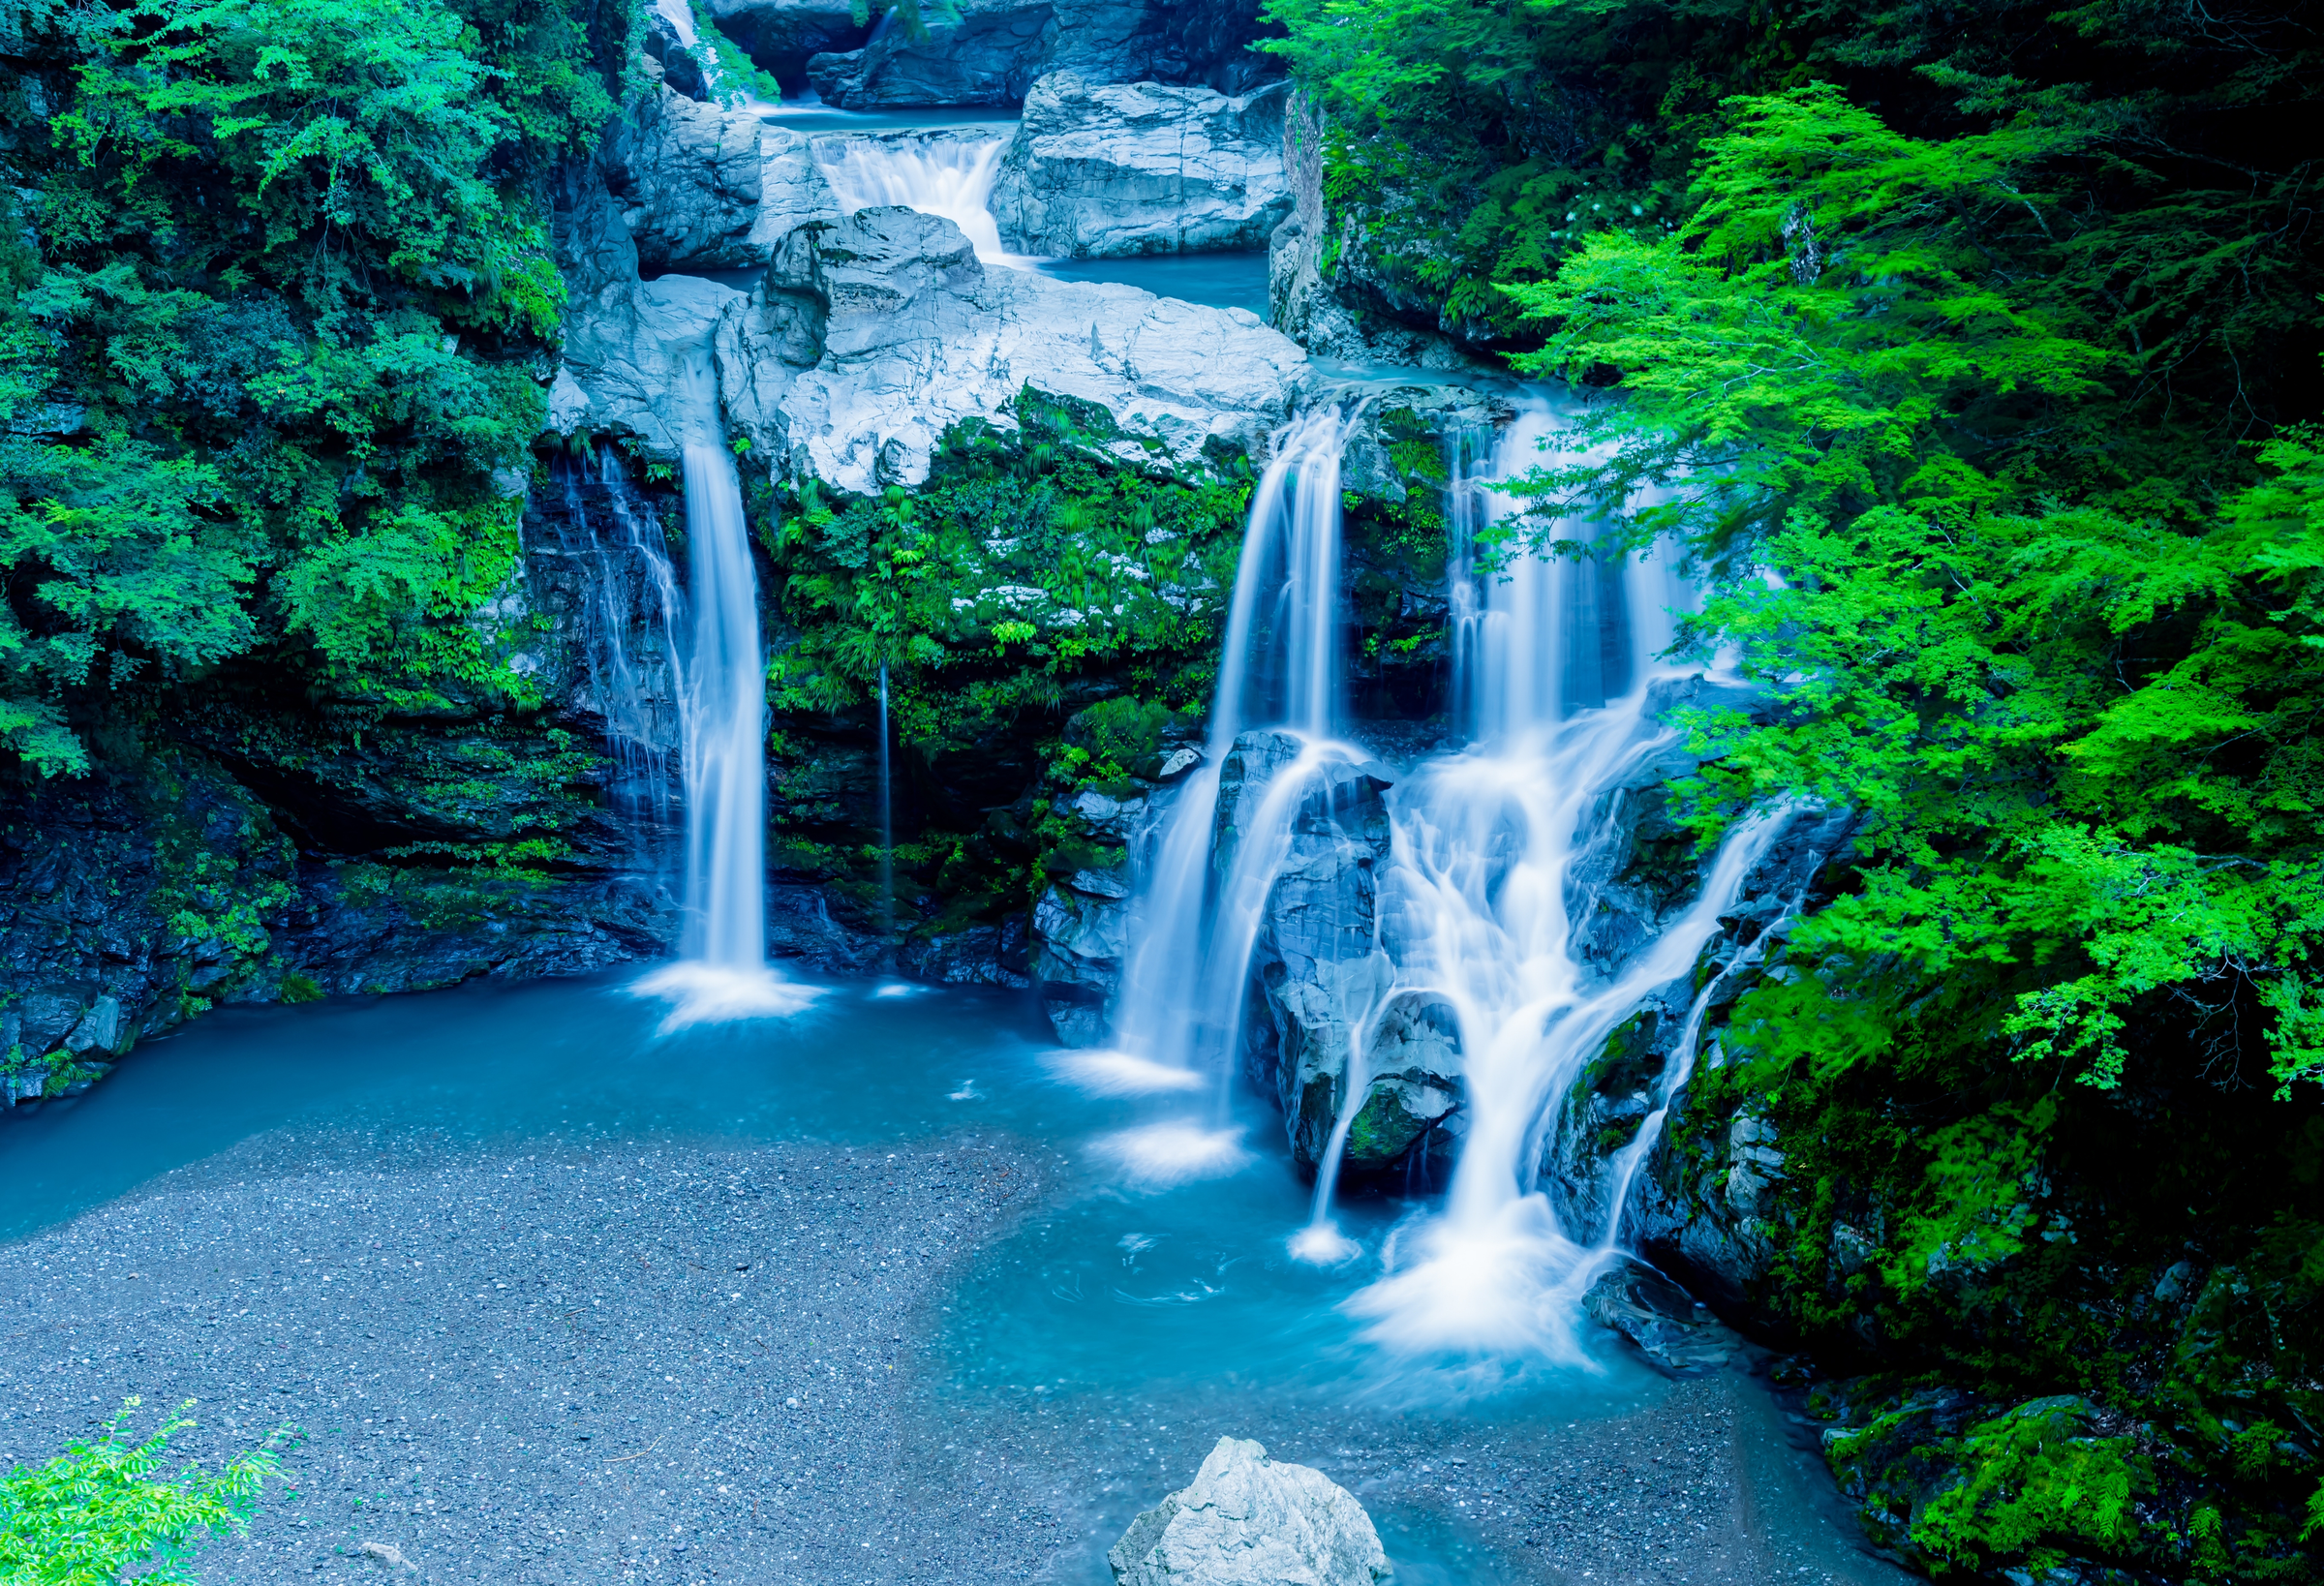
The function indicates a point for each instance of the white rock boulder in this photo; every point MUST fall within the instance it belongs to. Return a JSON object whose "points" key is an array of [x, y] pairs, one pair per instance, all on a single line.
{"points": [[1248, 1520], [872, 335], [1100, 171]]}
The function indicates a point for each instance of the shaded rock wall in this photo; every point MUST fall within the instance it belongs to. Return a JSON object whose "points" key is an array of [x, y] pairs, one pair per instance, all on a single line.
{"points": [[1000, 48], [1102, 172]]}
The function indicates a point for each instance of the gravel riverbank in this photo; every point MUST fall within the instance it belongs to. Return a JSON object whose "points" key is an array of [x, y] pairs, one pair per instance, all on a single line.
{"points": [[581, 1360], [574, 1364]]}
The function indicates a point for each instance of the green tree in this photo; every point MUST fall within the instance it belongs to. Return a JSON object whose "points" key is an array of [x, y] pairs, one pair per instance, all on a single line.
{"points": [[100, 1508]]}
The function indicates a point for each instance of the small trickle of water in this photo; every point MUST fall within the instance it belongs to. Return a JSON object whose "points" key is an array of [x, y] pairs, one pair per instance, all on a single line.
{"points": [[630, 621], [887, 818]]}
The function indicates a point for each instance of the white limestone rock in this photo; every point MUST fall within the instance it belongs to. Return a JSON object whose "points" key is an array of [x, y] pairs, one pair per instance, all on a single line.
{"points": [[997, 50], [872, 336], [1248, 1520], [1103, 172], [705, 187]]}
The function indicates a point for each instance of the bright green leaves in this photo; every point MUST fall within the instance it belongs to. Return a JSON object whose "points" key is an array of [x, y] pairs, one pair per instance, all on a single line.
{"points": [[2038, 1482], [278, 321], [2071, 705], [407, 601], [100, 1510], [362, 130]]}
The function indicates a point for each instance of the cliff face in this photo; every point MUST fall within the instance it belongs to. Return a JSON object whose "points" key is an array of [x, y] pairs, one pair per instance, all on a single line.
{"points": [[266, 849]]}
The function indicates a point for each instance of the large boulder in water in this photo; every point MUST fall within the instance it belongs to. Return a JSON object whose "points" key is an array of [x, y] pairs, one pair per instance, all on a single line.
{"points": [[1248, 1520], [1103, 172]]}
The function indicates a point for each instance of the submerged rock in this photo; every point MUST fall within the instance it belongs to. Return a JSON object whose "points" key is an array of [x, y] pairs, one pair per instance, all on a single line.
{"points": [[1248, 1520], [1101, 172], [1669, 1326]]}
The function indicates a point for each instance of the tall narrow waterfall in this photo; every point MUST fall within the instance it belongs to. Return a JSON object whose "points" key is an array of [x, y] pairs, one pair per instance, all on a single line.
{"points": [[725, 975], [948, 174], [1178, 1018], [1491, 878]]}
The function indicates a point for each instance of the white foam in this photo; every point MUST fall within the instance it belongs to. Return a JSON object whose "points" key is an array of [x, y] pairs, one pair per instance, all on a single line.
{"points": [[1161, 1155], [708, 993], [1119, 1074], [1323, 1245]]}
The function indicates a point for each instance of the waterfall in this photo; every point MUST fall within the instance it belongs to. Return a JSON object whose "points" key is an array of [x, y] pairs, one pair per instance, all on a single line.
{"points": [[724, 973], [1195, 925], [1496, 857], [947, 173]]}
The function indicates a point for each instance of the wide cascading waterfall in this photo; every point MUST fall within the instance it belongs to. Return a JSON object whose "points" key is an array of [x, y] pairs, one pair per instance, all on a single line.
{"points": [[948, 174], [724, 973], [1494, 866], [1177, 1017]]}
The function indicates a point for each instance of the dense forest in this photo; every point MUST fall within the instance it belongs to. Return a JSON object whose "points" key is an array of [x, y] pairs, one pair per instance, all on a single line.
{"points": [[1972, 353]]}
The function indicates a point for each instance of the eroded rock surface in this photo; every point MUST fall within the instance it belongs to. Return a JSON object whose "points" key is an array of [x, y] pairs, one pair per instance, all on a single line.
{"points": [[1101, 171], [1248, 1520], [873, 335]]}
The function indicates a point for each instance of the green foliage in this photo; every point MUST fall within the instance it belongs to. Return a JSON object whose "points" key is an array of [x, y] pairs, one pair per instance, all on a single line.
{"points": [[273, 310], [2068, 695], [100, 1510], [1011, 572]]}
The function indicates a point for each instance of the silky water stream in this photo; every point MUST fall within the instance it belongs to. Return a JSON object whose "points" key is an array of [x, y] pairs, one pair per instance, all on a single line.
{"points": [[1143, 1300]]}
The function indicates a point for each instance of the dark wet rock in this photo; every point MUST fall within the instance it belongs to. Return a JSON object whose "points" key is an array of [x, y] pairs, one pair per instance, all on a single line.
{"points": [[781, 36], [1314, 282], [1101, 171], [1248, 1520], [1669, 1326], [1324, 1005], [999, 48]]}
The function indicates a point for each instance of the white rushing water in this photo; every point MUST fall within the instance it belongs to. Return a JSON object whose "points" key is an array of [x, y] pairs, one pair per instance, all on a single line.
{"points": [[724, 973], [1488, 884], [1178, 1021], [948, 174]]}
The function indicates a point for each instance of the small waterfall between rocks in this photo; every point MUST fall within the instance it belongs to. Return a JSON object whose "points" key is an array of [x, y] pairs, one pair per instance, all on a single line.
{"points": [[724, 973], [947, 172]]}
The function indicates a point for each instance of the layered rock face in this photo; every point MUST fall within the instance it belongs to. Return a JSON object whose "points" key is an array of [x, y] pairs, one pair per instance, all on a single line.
{"points": [[1317, 293], [1104, 172], [1248, 1520], [872, 336], [998, 49]]}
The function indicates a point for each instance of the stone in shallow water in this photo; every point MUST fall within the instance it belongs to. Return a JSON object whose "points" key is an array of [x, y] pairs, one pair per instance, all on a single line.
{"points": [[1248, 1520]]}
